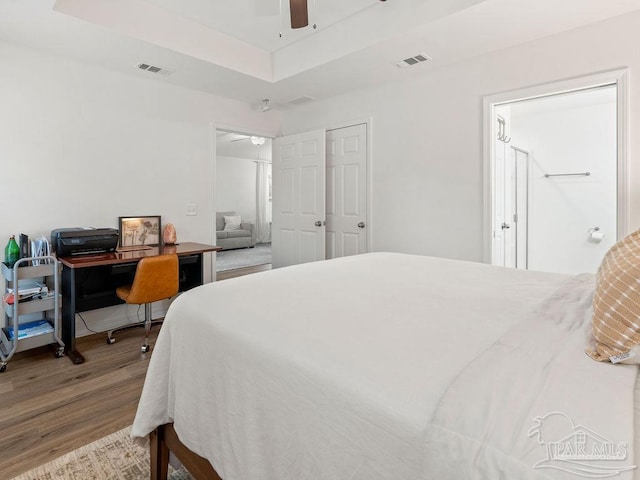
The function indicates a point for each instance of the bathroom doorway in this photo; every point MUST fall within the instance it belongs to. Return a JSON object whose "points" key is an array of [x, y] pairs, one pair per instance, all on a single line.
{"points": [[557, 179]]}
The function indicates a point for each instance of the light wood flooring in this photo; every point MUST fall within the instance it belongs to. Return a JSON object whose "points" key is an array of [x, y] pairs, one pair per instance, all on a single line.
{"points": [[242, 271], [49, 406]]}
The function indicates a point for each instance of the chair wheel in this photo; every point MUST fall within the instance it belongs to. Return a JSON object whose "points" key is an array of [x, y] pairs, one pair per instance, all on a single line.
{"points": [[59, 353], [3, 368], [144, 348], [111, 341]]}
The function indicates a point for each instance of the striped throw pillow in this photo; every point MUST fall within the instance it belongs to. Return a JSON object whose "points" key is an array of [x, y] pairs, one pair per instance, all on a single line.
{"points": [[616, 304]]}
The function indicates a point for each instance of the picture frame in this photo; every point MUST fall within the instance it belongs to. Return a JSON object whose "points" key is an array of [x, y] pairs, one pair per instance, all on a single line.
{"points": [[140, 231]]}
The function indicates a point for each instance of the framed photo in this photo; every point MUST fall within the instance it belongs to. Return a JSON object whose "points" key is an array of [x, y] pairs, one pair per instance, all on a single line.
{"points": [[140, 231]]}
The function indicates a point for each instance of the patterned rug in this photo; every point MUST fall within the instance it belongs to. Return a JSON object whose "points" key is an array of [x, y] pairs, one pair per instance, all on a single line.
{"points": [[114, 457], [243, 257]]}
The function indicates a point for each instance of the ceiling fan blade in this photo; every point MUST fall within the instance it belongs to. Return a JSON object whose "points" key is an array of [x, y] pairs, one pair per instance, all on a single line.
{"points": [[299, 13]]}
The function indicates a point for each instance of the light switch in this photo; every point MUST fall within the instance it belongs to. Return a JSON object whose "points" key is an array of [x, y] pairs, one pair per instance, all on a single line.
{"points": [[192, 209]]}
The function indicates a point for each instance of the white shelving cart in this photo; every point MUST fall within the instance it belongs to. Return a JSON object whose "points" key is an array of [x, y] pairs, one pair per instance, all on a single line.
{"points": [[46, 270]]}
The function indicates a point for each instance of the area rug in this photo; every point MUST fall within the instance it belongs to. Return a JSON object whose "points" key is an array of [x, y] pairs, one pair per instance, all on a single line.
{"points": [[114, 457], [243, 257]]}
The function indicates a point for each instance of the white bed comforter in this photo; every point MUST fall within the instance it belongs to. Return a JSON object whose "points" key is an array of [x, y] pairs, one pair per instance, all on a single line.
{"points": [[382, 366]]}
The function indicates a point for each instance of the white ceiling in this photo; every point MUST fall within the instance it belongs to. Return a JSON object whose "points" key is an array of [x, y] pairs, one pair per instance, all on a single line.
{"points": [[260, 22], [232, 48]]}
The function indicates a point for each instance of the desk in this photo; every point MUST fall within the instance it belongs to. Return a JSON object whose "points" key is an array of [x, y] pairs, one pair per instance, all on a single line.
{"points": [[90, 281]]}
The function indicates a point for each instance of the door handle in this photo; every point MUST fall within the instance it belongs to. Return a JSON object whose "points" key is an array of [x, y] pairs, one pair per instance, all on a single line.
{"points": [[318, 223], [505, 225], [361, 225]]}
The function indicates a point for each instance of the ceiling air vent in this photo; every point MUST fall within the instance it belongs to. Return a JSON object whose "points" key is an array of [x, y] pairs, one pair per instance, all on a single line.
{"points": [[409, 62], [154, 69]]}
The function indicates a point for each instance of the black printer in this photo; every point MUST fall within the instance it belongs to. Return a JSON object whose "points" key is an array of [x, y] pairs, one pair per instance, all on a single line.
{"points": [[75, 241]]}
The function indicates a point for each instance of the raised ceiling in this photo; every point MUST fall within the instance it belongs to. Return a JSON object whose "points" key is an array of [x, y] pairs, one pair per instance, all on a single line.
{"points": [[264, 23], [233, 48]]}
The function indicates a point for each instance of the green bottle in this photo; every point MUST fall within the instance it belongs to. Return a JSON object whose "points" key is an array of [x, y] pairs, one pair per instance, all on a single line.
{"points": [[11, 252]]}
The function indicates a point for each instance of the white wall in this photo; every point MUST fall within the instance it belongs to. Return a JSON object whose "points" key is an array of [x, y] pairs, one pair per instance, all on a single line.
{"points": [[81, 145], [236, 186], [427, 134], [569, 139]]}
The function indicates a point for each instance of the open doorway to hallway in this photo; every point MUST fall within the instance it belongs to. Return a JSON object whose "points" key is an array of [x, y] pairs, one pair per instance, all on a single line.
{"points": [[243, 201]]}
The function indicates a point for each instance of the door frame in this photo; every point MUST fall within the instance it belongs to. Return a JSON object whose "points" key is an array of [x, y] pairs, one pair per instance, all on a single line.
{"points": [[369, 190], [213, 175], [617, 77]]}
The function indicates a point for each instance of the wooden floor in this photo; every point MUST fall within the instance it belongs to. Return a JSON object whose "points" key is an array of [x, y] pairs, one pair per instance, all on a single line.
{"points": [[49, 406], [242, 271]]}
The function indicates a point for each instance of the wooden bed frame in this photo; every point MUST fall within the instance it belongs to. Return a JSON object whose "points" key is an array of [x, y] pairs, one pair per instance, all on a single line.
{"points": [[163, 440]]}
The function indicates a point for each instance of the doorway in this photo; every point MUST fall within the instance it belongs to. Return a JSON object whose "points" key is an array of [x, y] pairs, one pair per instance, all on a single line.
{"points": [[556, 175], [243, 189]]}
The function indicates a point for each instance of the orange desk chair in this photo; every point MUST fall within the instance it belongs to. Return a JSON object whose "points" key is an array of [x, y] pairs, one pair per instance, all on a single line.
{"points": [[156, 279]]}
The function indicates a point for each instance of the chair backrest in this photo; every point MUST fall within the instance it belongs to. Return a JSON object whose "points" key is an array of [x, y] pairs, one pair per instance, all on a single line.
{"points": [[220, 219], [156, 278]]}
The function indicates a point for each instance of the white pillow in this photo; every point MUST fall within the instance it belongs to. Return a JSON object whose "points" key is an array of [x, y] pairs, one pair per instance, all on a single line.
{"points": [[232, 223]]}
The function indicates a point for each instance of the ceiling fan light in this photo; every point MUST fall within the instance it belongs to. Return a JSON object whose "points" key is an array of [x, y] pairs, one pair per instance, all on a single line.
{"points": [[299, 13], [257, 140], [265, 107]]}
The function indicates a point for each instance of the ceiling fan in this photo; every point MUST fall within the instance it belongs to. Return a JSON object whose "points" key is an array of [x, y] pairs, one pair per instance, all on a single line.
{"points": [[240, 137], [299, 13], [299, 10], [264, 105]]}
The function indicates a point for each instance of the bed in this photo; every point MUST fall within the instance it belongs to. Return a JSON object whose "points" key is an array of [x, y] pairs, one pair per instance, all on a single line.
{"points": [[387, 366]]}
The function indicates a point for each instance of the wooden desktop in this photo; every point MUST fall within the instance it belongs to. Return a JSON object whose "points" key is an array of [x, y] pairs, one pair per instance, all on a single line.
{"points": [[89, 281]]}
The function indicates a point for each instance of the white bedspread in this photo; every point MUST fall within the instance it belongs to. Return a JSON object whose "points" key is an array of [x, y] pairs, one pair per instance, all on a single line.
{"points": [[356, 368]]}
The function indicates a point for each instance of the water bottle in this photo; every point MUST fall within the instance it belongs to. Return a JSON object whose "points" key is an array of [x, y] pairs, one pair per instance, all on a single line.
{"points": [[11, 252]]}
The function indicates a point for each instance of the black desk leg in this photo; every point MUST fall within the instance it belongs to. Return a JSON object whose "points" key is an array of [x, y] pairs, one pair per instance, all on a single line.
{"points": [[69, 315]]}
